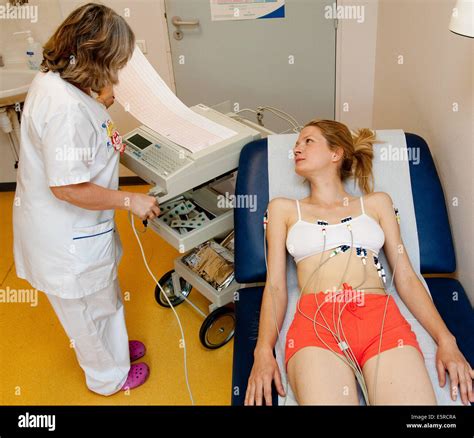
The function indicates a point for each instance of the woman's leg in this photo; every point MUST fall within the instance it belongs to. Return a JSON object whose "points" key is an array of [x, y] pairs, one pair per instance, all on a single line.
{"points": [[318, 377], [402, 378], [96, 326]]}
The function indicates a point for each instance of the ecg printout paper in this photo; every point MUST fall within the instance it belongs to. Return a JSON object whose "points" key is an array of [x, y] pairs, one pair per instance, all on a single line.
{"points": [[143, 93]]}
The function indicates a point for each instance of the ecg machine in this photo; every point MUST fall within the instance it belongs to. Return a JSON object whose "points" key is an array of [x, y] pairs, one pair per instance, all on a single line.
{"points": [[173, 169]]}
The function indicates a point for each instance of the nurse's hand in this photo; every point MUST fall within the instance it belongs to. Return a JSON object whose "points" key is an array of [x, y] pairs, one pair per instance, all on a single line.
{"points": [[144, 206], [106, 96]]}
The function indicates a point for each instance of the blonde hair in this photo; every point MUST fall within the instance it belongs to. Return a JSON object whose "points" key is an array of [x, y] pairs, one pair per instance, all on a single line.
{"points": [[89, 48], [357, 148]]}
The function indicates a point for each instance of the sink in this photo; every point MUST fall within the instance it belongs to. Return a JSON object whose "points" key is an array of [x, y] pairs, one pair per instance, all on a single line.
{"points": [[14, 83]]}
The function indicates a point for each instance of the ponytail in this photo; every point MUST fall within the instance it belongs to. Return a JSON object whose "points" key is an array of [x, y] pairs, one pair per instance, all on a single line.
{"points": [[363, 155]]}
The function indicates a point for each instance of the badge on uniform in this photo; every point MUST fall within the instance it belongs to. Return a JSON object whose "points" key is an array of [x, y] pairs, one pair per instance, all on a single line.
{"points": [[115, 137]]}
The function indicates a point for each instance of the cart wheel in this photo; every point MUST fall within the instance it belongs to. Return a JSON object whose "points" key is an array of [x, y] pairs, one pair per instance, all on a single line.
{"points": [[218, 328], [166, 282]]}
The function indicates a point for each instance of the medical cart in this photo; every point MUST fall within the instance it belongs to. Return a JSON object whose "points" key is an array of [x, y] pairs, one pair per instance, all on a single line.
{"points": [[173, 171]]}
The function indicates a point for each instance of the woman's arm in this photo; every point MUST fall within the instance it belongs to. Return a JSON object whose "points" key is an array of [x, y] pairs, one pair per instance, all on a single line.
{"points": [[416, 298], [273, 309], [94, 197], [409, 287]]}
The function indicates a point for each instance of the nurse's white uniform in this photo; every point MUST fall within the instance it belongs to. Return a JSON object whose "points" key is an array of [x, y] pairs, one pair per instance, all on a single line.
{"points": [[71, 253]]}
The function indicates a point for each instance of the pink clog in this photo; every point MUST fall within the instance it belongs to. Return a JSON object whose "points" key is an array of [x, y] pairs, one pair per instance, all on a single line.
{"points": [[137, 350], [137, 375]]}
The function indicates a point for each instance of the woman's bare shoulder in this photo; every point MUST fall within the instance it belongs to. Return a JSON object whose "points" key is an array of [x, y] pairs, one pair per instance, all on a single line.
{"points": [[281, 203], [281, 207], [378, 198], [379, 202]]}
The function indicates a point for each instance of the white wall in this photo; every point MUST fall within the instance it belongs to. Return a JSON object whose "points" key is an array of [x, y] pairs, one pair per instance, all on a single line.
{"points": [[355, 66], [418, 96]]}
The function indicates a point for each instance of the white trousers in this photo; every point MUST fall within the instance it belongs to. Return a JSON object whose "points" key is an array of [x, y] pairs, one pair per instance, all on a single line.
{"points": [[96, 325]]}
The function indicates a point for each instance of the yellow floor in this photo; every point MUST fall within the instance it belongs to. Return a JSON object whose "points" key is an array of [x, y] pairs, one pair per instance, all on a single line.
{"points": [[38, 367]]}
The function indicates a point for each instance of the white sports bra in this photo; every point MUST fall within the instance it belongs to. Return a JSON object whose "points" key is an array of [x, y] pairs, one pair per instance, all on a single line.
{"points": [[305, 238]]}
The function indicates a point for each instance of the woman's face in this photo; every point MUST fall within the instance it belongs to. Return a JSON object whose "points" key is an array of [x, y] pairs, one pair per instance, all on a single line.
{"points": [[311, 151]]}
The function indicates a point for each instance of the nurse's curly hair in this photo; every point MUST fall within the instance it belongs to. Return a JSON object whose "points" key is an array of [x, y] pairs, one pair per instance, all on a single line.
{"points": [[89, 48], [357, 150]]}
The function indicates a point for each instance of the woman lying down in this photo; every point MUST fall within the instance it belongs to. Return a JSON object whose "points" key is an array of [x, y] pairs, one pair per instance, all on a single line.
{"points": [[347, 328]]}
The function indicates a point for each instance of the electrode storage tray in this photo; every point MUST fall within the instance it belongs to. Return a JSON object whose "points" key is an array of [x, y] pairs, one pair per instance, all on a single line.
{"points": [[194, 217]]}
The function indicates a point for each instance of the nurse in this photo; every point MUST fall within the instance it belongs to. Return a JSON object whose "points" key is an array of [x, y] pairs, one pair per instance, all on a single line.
{"points": [[65, 240]]}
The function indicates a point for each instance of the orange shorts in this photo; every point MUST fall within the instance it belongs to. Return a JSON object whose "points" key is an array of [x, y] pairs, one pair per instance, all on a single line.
{"points": [[361, 322]]}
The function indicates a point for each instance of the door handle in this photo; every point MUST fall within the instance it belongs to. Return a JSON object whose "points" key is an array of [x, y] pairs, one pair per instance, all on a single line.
{"points": [[178, 22]]}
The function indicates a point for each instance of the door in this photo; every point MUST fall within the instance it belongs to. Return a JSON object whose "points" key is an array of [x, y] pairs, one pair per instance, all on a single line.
{"points": [[288, 63]]}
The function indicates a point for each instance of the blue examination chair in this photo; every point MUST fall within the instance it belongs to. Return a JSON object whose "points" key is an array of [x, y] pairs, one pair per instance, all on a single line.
{"points": [[435, 242]]}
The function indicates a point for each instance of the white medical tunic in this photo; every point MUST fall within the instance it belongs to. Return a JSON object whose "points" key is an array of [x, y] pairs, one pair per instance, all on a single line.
{"points": [[67, 137]]}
